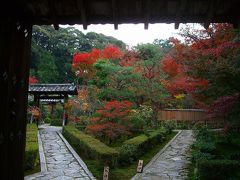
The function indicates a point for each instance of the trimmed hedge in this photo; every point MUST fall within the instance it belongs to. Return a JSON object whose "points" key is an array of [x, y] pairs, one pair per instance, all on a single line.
{"points": [[135, 147], [31, 150], [218, 169], [146, 140], [89, 147]]}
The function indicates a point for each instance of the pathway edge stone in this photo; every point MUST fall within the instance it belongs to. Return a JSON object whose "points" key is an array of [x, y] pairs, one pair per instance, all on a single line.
{"points": [[157, 155], [42, 157], [75, 155]]}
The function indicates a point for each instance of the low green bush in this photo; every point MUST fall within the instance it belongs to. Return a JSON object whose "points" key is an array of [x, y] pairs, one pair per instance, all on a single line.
{"points": [[210, 157], [47, 120], [198, 156], [31, 150], [218, 169], [206, 147], [56, 122], [89, 147], [175, 124], [150, 137], [135, 147], [128, 153], [169, 125]]}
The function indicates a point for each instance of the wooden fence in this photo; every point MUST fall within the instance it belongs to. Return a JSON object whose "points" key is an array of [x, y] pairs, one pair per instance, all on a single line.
{"points": [[190, 116], [182, 114]]}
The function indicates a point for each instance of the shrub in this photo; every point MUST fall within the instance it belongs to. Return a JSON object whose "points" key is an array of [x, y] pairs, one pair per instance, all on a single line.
{"points": [[90, 147], [206, 147], [141, 117], [127, 154], [198, 156], [56, 122], [203, 134], [47, 120], [113, 122], [218, 169], [82, 123], [135, 147], [169, 125], [31, 150]]}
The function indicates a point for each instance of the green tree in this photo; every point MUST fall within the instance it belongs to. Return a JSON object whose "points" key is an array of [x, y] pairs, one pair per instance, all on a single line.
{"points": [[115, 81], [47, 69], [61, 46], [151, 84]]}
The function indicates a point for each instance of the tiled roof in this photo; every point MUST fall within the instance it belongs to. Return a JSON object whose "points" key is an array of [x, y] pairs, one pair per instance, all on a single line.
{"points": [[70, 89], [52, 100]]}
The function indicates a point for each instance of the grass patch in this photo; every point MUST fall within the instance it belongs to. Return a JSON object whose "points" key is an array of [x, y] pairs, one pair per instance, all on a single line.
{"points": [[32, 164], [123, 173]]}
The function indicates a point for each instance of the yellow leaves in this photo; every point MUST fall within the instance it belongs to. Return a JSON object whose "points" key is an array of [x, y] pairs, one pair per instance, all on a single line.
{"points": [[179, 96]]}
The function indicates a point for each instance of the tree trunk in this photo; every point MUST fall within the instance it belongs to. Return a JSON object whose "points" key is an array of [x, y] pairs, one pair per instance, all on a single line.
{"points": [[154, 106]]}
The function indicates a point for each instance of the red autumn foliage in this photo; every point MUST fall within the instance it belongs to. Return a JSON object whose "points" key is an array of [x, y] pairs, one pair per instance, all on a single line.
{"points": [[215, 42], [129, 58], [178, 80], [112, 122], [111, 52], [89, 58], [86, 58], [32, 80], [82, 63], [222, 106], [170, 66], [109, 130], [184, 84], [115, 109]]}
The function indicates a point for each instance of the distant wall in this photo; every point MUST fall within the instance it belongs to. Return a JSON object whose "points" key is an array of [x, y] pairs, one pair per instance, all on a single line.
{"points": [[182, 114]]}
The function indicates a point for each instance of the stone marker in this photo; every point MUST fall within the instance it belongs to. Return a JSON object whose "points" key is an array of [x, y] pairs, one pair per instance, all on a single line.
{"points": [[105, 173], [140, 166]]}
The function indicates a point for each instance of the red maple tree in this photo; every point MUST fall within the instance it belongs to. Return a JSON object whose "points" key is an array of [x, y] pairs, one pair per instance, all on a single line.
{"points": [[112, 121], [83, 62]]}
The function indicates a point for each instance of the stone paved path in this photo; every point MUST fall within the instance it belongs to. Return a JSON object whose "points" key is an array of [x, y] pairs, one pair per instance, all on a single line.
{"points": [[60, 162], [170, 163]]}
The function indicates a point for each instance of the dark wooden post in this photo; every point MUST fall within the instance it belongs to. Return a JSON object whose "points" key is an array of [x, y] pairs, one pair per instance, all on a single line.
{"points": [[64, 122], [52, 105], [15, 46], [36, 100]]}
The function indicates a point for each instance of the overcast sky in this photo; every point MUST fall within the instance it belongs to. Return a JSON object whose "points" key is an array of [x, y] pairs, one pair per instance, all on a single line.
{"points": [[132, 34]]}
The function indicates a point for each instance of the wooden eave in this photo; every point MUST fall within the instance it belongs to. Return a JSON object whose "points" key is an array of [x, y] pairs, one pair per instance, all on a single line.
{"points": [[116, 12]]}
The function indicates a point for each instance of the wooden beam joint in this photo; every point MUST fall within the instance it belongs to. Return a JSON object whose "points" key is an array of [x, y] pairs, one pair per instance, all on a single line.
{"points": [[146, 4], [81, 6], [115, 14]]}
